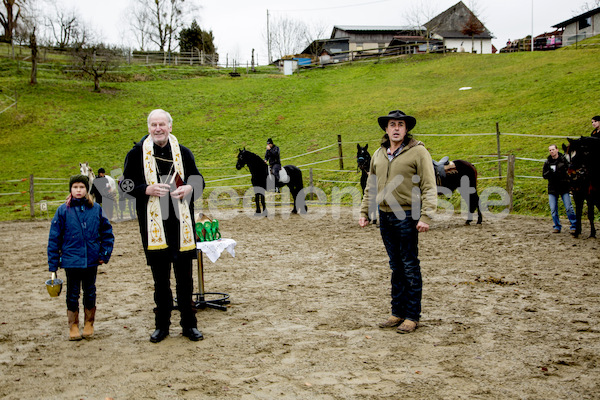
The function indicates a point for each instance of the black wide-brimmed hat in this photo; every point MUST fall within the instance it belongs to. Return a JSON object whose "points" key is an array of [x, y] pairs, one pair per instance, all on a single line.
{"points": [[397, 114]]}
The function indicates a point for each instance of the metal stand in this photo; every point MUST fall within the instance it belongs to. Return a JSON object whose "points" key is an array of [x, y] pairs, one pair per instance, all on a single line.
{"points": [[204, 299]]}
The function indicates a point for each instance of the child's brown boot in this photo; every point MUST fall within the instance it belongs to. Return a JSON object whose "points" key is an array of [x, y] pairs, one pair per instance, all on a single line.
{"points": [[73, 317], [88, 327]]}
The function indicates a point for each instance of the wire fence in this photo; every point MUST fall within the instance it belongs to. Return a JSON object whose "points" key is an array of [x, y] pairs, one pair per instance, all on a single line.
{"points": [[40, 195]]}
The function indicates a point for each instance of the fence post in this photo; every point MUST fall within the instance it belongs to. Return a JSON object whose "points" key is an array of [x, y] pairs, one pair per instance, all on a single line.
{"points": [[310, 182], [340, 152], [498, 146], [31, 197], [510, 179]]}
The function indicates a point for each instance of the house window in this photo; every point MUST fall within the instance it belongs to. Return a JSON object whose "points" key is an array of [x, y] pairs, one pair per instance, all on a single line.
{"points": [[585, 22]]}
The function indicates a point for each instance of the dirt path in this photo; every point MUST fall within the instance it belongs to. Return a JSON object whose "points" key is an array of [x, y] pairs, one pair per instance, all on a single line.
{"points": [[509, 311]]}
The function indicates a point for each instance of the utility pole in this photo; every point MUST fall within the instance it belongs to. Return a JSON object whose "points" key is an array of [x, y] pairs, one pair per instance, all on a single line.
{"points": [[268, 40], [532, 26]]}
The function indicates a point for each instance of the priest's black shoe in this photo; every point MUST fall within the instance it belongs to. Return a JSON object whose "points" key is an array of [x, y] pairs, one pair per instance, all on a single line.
{"points": [[193, 334], [159, 335]]}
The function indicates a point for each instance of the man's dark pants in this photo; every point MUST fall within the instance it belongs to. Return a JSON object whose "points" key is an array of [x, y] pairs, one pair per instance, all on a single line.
{"points": [[400, 237], [163, 296]]}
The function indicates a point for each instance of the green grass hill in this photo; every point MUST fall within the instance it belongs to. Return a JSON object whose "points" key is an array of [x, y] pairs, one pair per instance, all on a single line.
{"points": [[60, 121]]}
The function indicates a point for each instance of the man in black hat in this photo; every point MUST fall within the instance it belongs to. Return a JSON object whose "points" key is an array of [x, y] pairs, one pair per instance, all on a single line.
{"points": [[272, 158], [402, 179]]}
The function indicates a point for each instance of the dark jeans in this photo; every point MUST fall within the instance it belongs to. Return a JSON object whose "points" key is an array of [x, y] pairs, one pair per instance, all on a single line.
{"points": [[275, 168], [400, 237], [163, 296], [76, 279]]}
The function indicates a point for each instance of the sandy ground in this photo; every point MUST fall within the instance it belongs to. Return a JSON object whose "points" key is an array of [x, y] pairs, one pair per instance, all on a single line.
{"points": [[509, 311]]}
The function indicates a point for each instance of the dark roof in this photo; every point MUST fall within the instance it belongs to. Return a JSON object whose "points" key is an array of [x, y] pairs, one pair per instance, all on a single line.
{"points": [[374, 29], [321, 45], [577, 18], [450, 23]]}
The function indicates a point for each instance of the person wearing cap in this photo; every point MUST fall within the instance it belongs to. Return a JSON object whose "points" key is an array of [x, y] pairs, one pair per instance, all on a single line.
{"points": [[80, 239], [273, 159], [101, 190], [596, 125], [162, 176], [402, 180]]}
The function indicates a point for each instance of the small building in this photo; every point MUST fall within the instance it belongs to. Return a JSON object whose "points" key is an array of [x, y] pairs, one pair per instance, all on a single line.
{"points": [[414, 45], [328, 51], [580, 27], [449, 26], [372, 39]]}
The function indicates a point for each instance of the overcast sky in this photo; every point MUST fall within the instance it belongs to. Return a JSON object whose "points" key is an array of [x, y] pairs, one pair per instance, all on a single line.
{"points": [[240, 26]]}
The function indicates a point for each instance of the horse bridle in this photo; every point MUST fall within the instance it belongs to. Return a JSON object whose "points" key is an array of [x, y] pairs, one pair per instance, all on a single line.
{"points": [[362, 163]]}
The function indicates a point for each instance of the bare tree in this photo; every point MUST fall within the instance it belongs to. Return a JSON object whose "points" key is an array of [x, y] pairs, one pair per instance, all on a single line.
{"points": [[34, 52], [420, 14], [288, 36], [96, 60], [66, 28], [587, 6], [139, 24], [164, 19], [9, 16]]}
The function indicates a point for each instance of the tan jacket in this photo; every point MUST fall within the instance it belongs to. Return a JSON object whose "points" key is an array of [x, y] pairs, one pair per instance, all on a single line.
{"points": [[396, 180]]}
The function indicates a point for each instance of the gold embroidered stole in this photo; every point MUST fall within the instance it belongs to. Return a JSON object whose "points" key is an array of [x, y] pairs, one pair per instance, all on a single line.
{"points": [[156, 234]]}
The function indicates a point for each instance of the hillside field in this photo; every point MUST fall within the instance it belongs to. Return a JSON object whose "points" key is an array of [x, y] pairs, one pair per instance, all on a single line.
{"points": [[61, 121]]}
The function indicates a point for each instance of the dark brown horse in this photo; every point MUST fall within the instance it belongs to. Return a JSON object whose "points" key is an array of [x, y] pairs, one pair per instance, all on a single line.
{"points": [[462, 176], [463, 171], [584, 175]]}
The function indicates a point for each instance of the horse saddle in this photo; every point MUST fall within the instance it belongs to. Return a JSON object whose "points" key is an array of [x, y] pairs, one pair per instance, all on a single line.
{"points": [[283, 176], [443, 167]]}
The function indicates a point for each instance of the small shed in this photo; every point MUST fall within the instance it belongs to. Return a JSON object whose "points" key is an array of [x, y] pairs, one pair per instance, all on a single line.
{"points": [[580, 27]]}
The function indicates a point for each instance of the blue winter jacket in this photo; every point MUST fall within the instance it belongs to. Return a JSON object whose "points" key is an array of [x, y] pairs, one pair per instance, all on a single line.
{"points": [[80, 236]]}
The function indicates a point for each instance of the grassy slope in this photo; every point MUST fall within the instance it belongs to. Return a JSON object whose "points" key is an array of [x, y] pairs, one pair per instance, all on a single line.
{"points": [[61, 122]]}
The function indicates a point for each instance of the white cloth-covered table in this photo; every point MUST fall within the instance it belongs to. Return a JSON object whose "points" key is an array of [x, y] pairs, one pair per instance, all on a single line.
{"points": [[214, 248]]}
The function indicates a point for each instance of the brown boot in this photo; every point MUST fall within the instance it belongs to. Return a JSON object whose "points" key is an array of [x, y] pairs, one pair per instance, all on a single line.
{"points": [[73, 317], [391, 322], [88, 327]]}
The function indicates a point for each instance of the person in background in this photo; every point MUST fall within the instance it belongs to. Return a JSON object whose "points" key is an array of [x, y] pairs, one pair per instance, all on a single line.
{"points": [[596, 125], [273, 159], [555, 171], [80, 239], [399, 168], [101, 190], [163, 177]]}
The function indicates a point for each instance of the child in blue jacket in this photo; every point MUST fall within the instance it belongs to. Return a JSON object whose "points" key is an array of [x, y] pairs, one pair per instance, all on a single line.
{"points": [[80, 239]]}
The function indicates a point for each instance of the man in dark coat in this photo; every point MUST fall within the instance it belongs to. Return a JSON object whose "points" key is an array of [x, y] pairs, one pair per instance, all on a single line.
{"points": [[162, 176], [555, 171], [596, 125]]}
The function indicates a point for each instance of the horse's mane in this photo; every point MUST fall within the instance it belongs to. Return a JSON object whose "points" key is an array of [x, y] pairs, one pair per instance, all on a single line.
{"points": [[253, 157]]}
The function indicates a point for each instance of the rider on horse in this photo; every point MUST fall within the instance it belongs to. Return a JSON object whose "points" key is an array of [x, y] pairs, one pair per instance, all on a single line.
{"points": [[272, 158]]}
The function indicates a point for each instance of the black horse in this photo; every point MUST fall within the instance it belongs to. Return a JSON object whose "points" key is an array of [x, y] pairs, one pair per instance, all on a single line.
{"points": [[363, 162], [584, 175], [260, 176], [450, 179]]}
